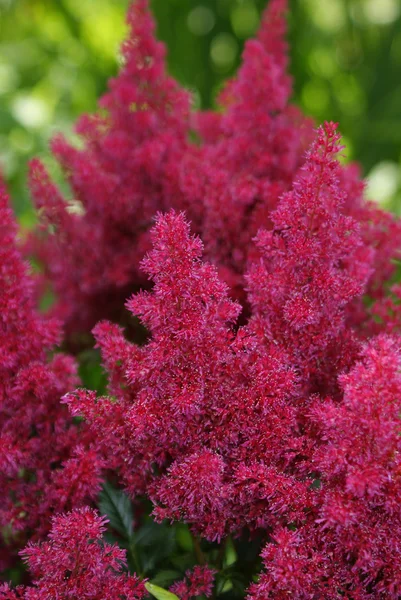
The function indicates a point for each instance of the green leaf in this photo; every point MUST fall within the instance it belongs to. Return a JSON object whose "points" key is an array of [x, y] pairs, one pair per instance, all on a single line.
{"points": [[159, 592], [156, 544], [91, 372], [183, 561], [115, 505], [166, 577], [184, 538]]}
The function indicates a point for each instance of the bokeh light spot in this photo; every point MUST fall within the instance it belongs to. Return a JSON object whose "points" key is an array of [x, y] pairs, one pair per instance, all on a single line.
{"points": [[223, 50], [322, 62], [31, 112], [328, 15], [244, 19], [349, 94], [20, 140], [383, 181], [201, 20], [8, 78], [381, 12], [315, 96]]}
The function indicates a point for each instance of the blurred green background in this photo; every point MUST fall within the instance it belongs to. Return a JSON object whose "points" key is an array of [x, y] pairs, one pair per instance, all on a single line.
{"points": [[56, 57]]}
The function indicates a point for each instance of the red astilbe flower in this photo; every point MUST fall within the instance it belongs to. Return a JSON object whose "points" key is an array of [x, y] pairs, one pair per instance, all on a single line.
{"points": [[360, 465], [42, 467], [76, 562], [137, 160], [313, 265], [349, 544], [381, 232], [120, 179], [293, 569], [197, 404], [175, 375], [251, 151], [198, 582], [385, 312]]}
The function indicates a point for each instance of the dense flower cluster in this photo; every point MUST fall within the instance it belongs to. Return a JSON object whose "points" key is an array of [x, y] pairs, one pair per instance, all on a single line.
{"points": [[137, 160], [349, 542], [250, 154], [121, 178], [314, 267], [265, 402], [230, 430], [197, 582], [76, 563], [46, 462]]}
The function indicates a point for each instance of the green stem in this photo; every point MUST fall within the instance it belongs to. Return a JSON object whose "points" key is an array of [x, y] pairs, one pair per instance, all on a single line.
{"points": [[200, 557], [135, 559], [221, 554]]}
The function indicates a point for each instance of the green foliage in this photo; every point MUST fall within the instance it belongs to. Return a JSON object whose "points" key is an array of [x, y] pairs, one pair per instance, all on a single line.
{"points": [[117, 507], [149, 547], [91, 372], [159, 593], [163, 552]]}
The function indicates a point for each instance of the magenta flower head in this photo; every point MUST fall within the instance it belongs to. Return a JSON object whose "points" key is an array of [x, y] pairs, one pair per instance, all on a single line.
{"points": [[75, 562], [47, 463], [253, 396]]}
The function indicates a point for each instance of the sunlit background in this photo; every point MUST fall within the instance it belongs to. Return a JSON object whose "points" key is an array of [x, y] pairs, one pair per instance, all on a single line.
{"points": [[56, 56]]}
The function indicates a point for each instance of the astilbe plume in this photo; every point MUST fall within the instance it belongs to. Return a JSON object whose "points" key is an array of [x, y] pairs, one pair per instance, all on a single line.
{"points": [[187, 418], [119, 179], [380, 231], [183, 377], [137, 158], [177, 373], [227, 428], [251, 150], [385, 312], [360, 464], [313, 264], [46, 462], [76, 563], [349, 544], [197, 582]]}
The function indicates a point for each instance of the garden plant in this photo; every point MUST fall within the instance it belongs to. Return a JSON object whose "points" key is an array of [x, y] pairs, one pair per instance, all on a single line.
{"points": [[209, 405]]}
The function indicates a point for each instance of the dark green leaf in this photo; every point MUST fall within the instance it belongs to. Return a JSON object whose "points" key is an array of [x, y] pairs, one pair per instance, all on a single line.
{"points": [[117, 507], [155, 543], [166, 578]]}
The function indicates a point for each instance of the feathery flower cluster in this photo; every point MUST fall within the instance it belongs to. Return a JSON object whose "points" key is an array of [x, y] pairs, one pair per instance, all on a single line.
{"points": [[137, 159], [266, 400], [313, 264], [197, 582], [231, 430], [349, 542], [121, 178], [46, 462], [75, 563], [250, 153]]}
